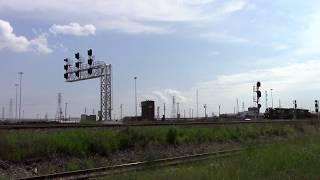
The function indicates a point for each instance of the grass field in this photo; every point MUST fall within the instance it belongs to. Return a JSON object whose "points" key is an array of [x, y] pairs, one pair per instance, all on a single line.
{"points": [[22, 145], [297, 158]]}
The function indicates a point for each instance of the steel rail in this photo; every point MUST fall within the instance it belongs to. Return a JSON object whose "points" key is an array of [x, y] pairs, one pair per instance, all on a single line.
{"points": [[111, 170]]}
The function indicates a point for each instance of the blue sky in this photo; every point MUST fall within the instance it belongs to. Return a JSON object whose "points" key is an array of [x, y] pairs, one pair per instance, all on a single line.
{"points": [[174, 47]]}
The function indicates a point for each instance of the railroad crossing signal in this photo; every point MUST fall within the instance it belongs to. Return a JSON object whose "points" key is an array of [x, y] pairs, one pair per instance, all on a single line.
{"points": [[94, 69], [316, 105]]}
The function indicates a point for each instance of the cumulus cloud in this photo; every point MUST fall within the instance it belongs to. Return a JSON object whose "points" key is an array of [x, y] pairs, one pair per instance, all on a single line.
{"points": [[143, 16], [9, 40], [73, 29]]}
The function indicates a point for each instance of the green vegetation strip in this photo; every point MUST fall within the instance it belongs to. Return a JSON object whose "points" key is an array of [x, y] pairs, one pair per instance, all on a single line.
{"points": [[298, 158], [23, 145]]}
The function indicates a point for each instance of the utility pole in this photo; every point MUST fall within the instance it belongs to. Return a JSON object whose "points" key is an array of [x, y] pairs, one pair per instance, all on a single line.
{"points": [[197, 103], [164, 111], [184, 113], [219, 109], [16, 116], [20, 78], [192, 114], [10, 115], [266, 94], [65, 111], [271, 98], [120, 111], [158, 112], [205, 110], [243, 107], [237, 105], [135, 92], [3, 113], [279, 103]]}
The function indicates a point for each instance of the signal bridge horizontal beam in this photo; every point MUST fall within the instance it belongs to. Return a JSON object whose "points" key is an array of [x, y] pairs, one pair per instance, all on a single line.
{"points": [[98, 70]]}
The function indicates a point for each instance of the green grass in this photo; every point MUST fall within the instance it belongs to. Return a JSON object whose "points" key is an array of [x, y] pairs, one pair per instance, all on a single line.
{"points": [[21, 145], [298, 158]]}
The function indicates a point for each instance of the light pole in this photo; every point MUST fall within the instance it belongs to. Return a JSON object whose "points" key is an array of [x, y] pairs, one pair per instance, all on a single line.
{"points": [[16, 85], [135, 92], [271, 98], [20, 78], [120, 111]]}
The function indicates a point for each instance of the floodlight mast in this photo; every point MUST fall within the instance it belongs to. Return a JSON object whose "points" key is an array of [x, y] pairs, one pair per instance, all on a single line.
{"points": [[92, 70]]}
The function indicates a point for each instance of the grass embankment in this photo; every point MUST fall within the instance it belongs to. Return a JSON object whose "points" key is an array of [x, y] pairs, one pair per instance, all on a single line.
{"points": [[22, 145], [298, 158]]}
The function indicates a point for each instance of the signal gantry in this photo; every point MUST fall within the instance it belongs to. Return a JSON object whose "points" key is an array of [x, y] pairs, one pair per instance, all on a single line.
{"points": [[79, 71]]}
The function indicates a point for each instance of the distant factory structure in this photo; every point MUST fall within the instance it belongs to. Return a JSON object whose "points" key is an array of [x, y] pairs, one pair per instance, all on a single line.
{"points": [[148, 110]]}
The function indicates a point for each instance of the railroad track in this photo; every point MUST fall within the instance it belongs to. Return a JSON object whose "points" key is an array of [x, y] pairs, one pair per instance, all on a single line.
{"points": [[66, 126], [111, 170]]}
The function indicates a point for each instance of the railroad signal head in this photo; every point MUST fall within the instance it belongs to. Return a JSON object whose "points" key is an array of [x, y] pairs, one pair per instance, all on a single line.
{"points": [[259, 94], [66, 67], [77, 73], [90, 71], [90, 52], [66, 76], [259, 106], [66, 60], [78, 64], [258, 84], [77, 55], [90, 61]]}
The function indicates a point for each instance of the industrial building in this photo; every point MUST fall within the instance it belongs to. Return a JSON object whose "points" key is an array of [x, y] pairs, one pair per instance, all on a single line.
{"points": [[148, 110]]}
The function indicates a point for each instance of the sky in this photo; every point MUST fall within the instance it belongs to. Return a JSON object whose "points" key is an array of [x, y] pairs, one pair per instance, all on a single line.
{"points": [[175, 47]]}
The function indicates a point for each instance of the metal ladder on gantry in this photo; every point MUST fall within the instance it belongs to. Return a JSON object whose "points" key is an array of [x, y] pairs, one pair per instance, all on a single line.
{"points": [[93, 69]]}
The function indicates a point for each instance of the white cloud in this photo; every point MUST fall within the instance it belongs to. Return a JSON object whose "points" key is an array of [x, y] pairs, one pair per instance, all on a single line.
{"points": [[233, 6], [41, 44], [224, 38], [9, 40], [308, 41], [141, 16], [73, 29], [134, 27]]}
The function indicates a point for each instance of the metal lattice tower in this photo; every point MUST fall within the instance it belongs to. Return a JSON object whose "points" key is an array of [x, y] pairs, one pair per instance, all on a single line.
{"points": [[92, 70]]}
